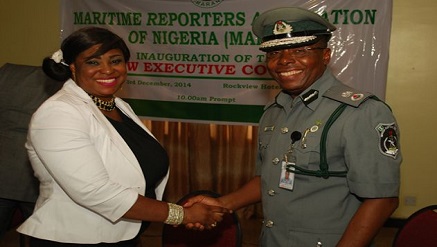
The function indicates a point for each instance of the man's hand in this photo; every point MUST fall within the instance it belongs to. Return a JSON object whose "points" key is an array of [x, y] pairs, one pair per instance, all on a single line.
{"points": [[207, 202]]}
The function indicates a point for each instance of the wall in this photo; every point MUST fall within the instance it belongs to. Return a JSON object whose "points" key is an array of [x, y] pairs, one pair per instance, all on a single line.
{"points": [[29, 31], [410, 90]]}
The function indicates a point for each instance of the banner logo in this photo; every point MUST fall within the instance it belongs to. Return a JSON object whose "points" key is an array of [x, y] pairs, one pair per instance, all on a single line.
{"points": [[206, 3]]}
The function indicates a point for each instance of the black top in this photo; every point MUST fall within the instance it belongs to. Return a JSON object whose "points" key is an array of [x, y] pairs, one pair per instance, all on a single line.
{"points": [[151, 156]]}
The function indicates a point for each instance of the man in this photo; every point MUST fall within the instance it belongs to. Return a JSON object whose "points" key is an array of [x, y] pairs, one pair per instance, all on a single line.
{"points": [[341, 145]]}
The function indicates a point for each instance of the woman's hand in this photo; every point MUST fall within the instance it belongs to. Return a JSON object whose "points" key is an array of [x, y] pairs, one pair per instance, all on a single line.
{"points": [[214, 212], [200, 216]]}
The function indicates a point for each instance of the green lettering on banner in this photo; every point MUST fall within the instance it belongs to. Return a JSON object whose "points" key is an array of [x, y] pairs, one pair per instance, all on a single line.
{"points": [[355, 17], [242, 38], [184, 38], [195, 19], [183, 57], [107, 18]]}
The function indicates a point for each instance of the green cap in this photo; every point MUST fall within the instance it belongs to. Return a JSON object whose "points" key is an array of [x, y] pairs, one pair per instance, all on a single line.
{"points": [[290, 27]]}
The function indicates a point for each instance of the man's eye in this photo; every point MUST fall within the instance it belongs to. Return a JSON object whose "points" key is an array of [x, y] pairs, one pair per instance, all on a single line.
{"points": [[272, 54], [299, 51]]}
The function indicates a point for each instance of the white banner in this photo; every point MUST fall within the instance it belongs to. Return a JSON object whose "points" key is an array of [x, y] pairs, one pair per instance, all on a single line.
{"points": [[198, 61]]}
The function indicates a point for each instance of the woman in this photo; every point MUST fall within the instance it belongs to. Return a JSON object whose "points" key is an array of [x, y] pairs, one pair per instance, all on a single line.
{"points": [[102, 174]]}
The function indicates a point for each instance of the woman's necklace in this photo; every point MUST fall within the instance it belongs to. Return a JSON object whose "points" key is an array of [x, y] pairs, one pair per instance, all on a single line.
{"points": [[103, 105]]}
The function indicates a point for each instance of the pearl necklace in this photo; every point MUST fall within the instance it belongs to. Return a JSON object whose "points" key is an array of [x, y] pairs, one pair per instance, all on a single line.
{"points": [[103, 105]]}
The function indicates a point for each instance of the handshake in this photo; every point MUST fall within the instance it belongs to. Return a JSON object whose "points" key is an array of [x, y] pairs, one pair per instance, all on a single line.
{"points": [[198, 213]]}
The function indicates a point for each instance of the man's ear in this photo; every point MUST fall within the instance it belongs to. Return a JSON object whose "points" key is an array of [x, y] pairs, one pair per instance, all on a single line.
{"points": [[326, 56]]}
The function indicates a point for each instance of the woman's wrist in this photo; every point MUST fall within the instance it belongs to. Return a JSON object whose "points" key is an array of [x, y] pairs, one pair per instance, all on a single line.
{"points": [[175, 214]]}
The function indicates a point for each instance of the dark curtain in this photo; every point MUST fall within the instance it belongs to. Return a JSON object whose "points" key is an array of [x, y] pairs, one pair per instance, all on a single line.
{"points": [[213, 157]]}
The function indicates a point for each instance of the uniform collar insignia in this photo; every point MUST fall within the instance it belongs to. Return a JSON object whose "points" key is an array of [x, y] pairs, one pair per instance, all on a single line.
{"points": [[310, 96], [269, 128]]}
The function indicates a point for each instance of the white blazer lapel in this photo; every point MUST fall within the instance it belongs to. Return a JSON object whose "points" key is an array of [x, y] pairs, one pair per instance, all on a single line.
{"points": [[104, 122]]}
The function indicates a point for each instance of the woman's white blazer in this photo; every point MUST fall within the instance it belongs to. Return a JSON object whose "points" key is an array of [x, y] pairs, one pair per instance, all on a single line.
{"points": [[89, 177]]}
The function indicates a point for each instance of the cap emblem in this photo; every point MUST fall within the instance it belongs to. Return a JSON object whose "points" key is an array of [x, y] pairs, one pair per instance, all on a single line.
{"points": [[282, 27]]}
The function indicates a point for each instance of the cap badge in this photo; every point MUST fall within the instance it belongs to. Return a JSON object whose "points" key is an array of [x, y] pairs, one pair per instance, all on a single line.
{"points": [[282, 27]]}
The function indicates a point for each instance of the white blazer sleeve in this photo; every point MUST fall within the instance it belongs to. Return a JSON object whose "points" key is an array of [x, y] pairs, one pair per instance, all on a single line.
{"points": [[64, 140]]}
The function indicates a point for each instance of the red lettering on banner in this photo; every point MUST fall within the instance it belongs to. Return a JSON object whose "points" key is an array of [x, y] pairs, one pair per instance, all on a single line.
{"points": [[132, 66], [181, 68]]}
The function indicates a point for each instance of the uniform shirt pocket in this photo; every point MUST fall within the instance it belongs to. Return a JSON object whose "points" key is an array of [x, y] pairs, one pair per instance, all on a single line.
{"points": [[308, 151]]}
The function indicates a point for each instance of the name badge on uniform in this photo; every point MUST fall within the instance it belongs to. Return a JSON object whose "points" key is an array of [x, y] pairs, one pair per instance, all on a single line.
{"points": [[286, 180]]}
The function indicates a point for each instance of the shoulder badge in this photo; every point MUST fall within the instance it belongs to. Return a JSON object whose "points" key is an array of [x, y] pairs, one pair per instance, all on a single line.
{"points": [[347, 95], [388, 139]]}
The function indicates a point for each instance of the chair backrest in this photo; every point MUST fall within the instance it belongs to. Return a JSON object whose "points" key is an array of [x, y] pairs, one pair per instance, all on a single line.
{"points": [[23, 89], [226, 233], [419, 230]]}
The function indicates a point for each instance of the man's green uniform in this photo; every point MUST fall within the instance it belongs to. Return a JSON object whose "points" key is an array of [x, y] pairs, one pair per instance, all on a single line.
{"points": [[362, 157]]}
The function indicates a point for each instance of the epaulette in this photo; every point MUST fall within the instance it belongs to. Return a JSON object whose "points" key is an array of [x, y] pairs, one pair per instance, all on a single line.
{"points": [[347, 95]]}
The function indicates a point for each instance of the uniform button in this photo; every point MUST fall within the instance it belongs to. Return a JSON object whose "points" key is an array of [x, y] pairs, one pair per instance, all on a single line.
{"points": [[284, 130], [269, 224], [275, 161], [271, 192]]}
